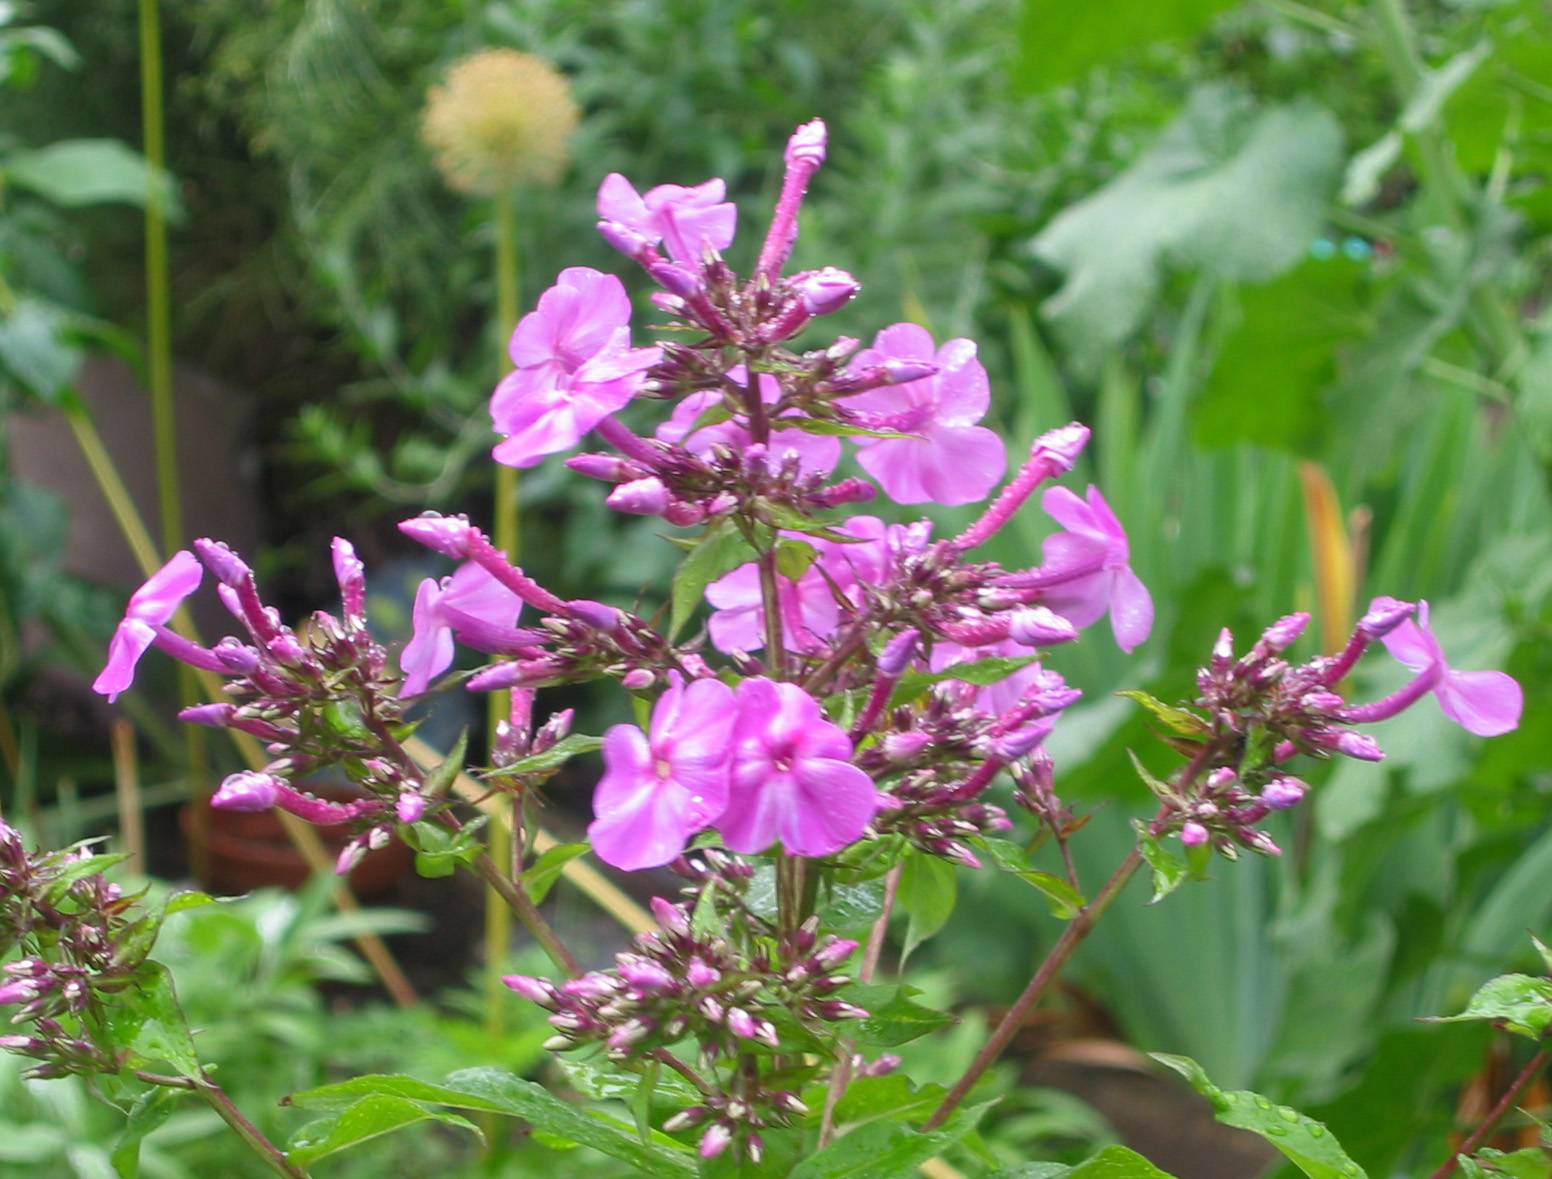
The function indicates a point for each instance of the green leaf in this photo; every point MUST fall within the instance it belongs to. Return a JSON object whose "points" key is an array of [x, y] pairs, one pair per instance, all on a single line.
{"points": [[440, 780], [1520, 1002], [1161, 790], [705, 922], [894, 1097], [1544, 950], [493, 1091], [980, 672], [160, 1033], [151, 1109], [1533, 1162], [1426, 104], [793, 557], [898, 1021], [1230, 189], [1170, 869], [371, 1117], [74, 172], [552, 758], [546, 870], [1179, 720], [1306, 1143], [838, 429], [35, 351], [1009, 857], [189, 898], [928, 888], [1114, 1162], [720, 551], [1059, 43], [886, 1150]]}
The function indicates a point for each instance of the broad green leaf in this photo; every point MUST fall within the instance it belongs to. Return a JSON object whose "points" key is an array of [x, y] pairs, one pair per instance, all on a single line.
{"points": [[370, 1117], [886, 1150], [151, 1109], [1161, 790], [149, 1010], [493, 1091], [1059, 43], [541, 876], [793, 557], [1522, 1004], [1428, 98], [1306, 1143], [980, 672], [928, 888], [1544, 950], [552, 758], [35, 349], [603, 1080], [1230, 189], [1180, 720], [1065, 901], [75, 172], [894, 1097], [181, 902], [1170, 869], [899, 1021], [1533, 1162], [720, 551], [1114, 1162]]}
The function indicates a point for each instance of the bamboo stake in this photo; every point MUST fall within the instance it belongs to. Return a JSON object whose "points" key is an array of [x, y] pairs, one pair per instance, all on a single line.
{"points": [[126, 788]]}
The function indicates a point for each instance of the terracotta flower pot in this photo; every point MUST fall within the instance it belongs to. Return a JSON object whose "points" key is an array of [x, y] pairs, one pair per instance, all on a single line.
{"points": [[247, 850]]}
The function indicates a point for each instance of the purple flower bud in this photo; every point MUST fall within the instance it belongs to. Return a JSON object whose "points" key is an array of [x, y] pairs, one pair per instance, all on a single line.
{"points": [[711, 1009], [627, 1034], [247, 791], [1221, 779], [848, 491], [645, 975], [1193, 834], [904, 746], [1359, 745], [824, 291], [899, 652], [595, 985], [683, 514], [1060, 448], [285, 649], [497, 677], [1022, 741], [350, 855], [1383, 616], [1259, 841], [228, 567], [1282, 793], [835, 1009], [881, 1067], [448, 535], [1036, 626], [20, 1043], [1322, 701], [638, 679], [670, 917], [1223, 649], [640, 497], [535, 990], [1282, 633], [835, 952], [606, 467], [351, 575], [740, 1023], [213, 716], [684, 1119], [676, 279], [236, 656], [903, 372], [19, 991], [700, 975], [628, 241], [411, 807], [715, 1140], [379, 837], [596, 614], [807, 145]]}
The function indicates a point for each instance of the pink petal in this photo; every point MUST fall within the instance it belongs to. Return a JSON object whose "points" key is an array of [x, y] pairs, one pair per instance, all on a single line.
{"points": [[430, 650], [1412, 646], [1083, 601], [906, 341], [835, 803], [619, 201], [1131, 610], [1487, 703], [962, 388], [1108, 523], [963, 465], [130, 640], [1071, 512], [475, 592], [159, 598]]}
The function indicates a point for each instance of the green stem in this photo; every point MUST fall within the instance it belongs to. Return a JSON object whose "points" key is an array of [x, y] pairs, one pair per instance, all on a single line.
{"points": [[505, 534], [271, 1154], [1495, 1115]]}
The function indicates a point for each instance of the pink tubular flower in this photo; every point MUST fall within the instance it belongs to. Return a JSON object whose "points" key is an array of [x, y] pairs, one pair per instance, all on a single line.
{"points": [[1088, 568], [472, 607], [951, 460], [817, 454], [792, 778], [575, 367], [1487, 703], [150, 609], [658, 790], [687, 221]]}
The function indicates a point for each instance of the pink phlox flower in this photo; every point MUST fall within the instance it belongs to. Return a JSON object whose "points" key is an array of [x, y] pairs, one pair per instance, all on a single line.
{"points": [[1487, 703], [471, 607], [575, 367], [687, 221], [817, 453], [1088, 568], [150, 608], [792, 777], [950, 459], [659, 789]]}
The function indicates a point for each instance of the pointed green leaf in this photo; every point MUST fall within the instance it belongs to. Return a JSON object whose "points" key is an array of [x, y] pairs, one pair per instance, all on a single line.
{"points": [[721, 550], [552, 758], [370, 1117], [150, 1110], [928, 888], [886, 1150], [1521, 1003], [898, 1021], [440, 780], [1181, 720], [1065, 901], [1170, 869], [546, 870]]}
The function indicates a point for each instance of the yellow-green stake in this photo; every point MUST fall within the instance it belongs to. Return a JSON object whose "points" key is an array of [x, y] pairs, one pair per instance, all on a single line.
{"points": [[498, 917], [159, 367]]}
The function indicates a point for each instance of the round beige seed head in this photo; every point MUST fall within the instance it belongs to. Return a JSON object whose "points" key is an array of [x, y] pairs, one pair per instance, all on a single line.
{"points": [[501, 120]]}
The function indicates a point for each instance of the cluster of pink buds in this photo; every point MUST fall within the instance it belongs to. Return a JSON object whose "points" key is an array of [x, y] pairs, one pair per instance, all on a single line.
{"points": [[1259, 711], [83, 942]]}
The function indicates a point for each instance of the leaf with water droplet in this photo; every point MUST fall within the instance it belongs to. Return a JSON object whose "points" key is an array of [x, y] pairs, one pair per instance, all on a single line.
{"points": [[1306, 1143]]}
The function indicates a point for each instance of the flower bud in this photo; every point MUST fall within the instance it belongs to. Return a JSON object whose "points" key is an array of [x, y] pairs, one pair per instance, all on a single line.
{"points": [[228, 567], [700, 975], [235, 655], [715, 1140], [411, 807], [670, 917], [1383, 616], [1193, 834], [247, 791], [285, 649], [903, 372], [807, 145], [596, 614], [448, 535], [1061, 447], [1036, 626], [676, 279], [740, 1023], [632, 244], [835, 952], [638, 679], [1360, 746], [898, 652], [1282, 793], [904, 746], [214, 716], [1221, 778], [645, 975], [825, 291], [683, 514], [640, 497], [350, 855], [1282, 633], [535, 990]]}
